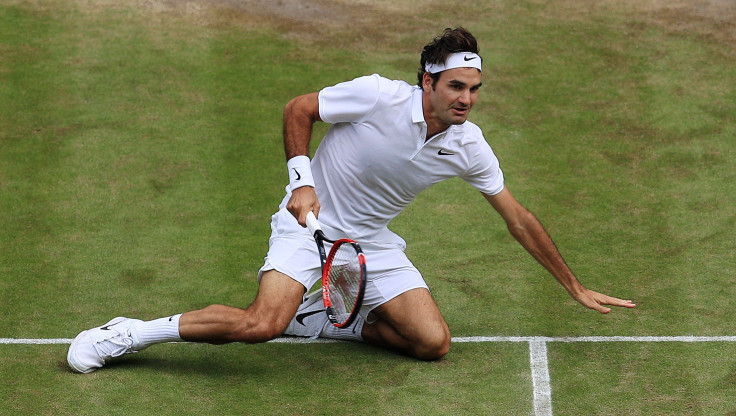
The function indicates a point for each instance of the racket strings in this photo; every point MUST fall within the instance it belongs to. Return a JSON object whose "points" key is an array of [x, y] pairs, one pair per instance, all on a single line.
{"points": [[345, 280]]}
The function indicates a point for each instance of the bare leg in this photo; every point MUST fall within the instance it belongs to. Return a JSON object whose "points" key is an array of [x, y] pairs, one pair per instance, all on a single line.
{"points": [[266, 318], [412, 324]]}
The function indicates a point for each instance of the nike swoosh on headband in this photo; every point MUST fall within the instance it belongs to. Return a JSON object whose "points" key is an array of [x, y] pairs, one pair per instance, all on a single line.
{"points": [[457, 60]]}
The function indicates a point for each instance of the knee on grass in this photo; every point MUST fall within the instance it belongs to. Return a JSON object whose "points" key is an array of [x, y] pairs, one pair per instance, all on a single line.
{"points": [[433, 348], [258, 329]]}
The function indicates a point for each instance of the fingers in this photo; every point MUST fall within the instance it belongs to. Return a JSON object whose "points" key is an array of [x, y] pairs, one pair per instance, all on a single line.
{"points": [[303, 200], [598, 301], [611, 301], [623, 303], [597, 306]]}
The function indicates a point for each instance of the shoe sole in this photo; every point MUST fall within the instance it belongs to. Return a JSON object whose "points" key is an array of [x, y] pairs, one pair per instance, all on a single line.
{"points": [[71, 357]]}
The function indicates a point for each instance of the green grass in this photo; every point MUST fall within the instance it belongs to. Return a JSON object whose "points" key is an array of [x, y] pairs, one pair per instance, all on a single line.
{"points": [[644, 379], [270, 379], [141, 160]]}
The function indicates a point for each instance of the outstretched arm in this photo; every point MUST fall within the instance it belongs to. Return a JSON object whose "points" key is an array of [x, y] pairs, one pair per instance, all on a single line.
{"points": [[299, 116], [530, 233]]}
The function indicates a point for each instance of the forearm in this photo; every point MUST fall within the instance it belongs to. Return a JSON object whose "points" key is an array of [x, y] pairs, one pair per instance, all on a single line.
{"points": [[530, 233], [299, 116]]}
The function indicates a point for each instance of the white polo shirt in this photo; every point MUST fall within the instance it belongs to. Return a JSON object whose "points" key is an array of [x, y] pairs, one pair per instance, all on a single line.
{"points": [[375, 159]]}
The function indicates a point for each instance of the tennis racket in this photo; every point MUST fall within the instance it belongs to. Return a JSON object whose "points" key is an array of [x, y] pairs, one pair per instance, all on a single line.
{"points": [[343, 275]]}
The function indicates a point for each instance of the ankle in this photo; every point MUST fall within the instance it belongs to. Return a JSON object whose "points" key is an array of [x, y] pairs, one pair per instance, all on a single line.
{"points": [[157, 331]]}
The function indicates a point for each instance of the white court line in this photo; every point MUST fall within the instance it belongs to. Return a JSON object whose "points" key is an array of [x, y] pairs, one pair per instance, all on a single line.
{"points": [[541, 386], [676, 338], [289, 340], [46, 341], [538, 361], [41, 341]]}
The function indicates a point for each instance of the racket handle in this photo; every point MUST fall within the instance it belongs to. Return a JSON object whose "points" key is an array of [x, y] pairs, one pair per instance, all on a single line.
{"points": [[312, 223]]}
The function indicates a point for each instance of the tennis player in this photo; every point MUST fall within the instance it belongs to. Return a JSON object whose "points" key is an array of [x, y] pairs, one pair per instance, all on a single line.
{"points": [[387, 142]]}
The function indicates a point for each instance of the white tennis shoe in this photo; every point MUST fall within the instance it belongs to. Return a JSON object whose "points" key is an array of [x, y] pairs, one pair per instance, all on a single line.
{"points": [[310, 318], [91, 349]]}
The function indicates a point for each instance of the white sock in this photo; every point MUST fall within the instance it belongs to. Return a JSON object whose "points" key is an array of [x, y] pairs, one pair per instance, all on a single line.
{"points": [[157, 331], [352, 333]]}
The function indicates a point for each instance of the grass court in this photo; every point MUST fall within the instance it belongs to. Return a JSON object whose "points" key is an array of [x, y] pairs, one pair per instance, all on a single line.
{"points": [[141, 160]]}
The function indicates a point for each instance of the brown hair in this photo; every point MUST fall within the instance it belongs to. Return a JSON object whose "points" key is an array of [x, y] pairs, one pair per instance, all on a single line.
{"points": [[437, 51]]}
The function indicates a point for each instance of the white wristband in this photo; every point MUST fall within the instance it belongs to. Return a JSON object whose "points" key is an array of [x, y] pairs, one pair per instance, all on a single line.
{"points": [[300, 172]]}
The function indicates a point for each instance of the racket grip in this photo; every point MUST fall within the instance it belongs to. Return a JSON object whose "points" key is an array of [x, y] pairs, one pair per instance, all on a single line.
{"points": [[312, 223]]}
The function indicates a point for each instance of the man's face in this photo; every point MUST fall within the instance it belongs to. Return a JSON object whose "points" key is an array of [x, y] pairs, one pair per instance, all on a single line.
{"points": [[450, 100]]}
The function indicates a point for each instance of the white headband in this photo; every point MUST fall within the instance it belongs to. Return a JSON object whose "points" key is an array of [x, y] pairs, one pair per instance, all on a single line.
{"points": [[456, 60]]}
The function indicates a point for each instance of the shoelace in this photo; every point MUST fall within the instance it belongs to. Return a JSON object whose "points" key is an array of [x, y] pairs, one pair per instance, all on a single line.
{"points": [[114, 346]]}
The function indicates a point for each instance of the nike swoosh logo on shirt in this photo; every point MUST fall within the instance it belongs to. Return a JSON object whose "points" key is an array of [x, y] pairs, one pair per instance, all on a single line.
{"points": [[300, 318], [443, 153]]}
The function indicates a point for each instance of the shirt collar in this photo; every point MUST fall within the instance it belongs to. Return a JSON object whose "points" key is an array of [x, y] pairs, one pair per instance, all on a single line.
{"points": [[417, 110]]}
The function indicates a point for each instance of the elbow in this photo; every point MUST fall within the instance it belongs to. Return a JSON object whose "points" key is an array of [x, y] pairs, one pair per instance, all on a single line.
{"points": [[303, 107], [290, 107]]}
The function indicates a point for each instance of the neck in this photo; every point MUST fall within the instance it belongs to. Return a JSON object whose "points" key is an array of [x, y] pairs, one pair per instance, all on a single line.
{"points": [[434, 126], [433, 131]]}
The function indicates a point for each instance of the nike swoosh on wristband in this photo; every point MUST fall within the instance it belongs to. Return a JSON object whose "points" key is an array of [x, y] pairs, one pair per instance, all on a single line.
{"points": [[300, 318], [442, 152], [298, 176]]}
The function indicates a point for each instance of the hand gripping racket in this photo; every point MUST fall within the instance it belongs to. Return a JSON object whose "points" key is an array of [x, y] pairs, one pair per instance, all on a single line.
{"points": [[343, 275]]}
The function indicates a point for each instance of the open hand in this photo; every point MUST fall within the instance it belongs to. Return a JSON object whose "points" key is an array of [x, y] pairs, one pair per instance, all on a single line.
{"points": [[599, 301]]}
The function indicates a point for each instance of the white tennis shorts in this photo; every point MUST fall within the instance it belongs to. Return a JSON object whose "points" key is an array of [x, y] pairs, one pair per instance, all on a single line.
{"points": [[293, 252]]}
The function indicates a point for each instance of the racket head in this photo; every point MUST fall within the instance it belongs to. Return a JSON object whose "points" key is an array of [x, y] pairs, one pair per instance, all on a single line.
{"points": [[343, 282]]}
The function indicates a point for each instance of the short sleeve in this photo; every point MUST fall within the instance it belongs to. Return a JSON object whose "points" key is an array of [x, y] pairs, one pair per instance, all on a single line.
{"points": [[485, 172], [349, 101]]}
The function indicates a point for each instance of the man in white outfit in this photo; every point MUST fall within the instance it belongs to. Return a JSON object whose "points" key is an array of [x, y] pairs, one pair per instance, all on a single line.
{"points": [[387, 142]]}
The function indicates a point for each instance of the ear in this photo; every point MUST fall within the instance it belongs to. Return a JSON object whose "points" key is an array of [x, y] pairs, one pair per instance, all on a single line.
{"points": [[426, 82]]}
